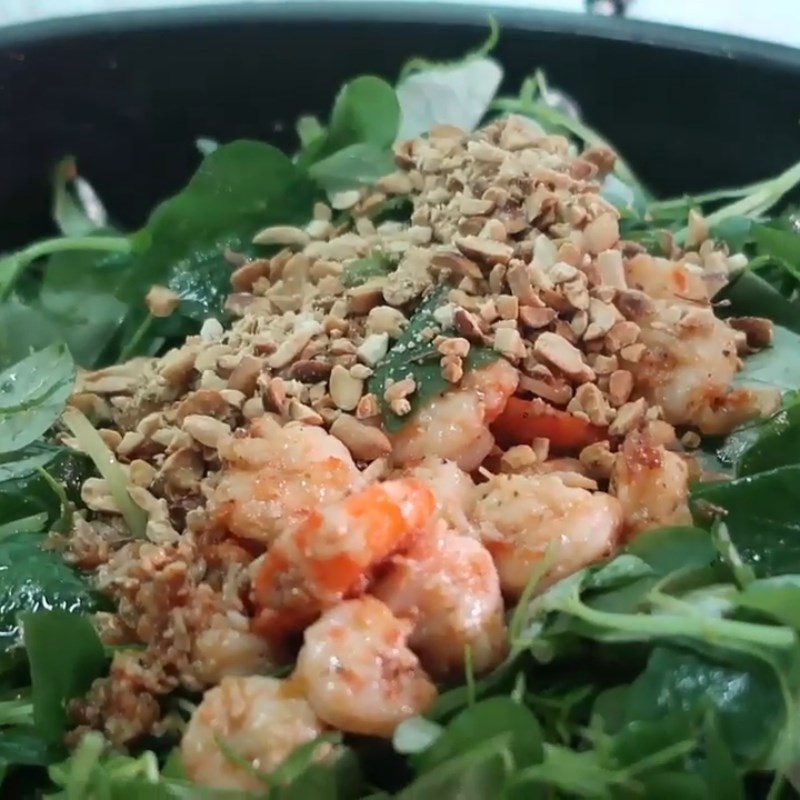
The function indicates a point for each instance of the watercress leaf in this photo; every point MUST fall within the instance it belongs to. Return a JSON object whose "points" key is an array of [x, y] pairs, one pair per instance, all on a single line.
{"points": [[743, 692], [778, 597], [576, 774], [735, 231], [497, 716], [750, 294], [23, 745], [309, 129], [783, 244], [669, 785], [65, 656], [205, 145], [239, 188], [23, 330], [353, 166], [762, 516], [777, 443], [33, 579], [415, 734], [359, 270], [640, 739], [477, 774], [448, 94], [719, 769], [26, 491], [77, 293], [23, 462], [32, 394], [365, 110], [666, 550], [623, 569], [777, 366], [415, 354]]}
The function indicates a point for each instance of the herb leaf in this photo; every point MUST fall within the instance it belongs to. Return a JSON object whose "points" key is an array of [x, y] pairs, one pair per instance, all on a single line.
{"points": [[33, 579], [415, 354], [32, 394], [65, 656]]}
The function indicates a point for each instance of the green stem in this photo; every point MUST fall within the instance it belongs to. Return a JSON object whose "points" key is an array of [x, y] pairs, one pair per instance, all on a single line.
{"points": [[764, 197], [91, 443], [130, 347], [707, 197], [682, 625], [12, 266]]}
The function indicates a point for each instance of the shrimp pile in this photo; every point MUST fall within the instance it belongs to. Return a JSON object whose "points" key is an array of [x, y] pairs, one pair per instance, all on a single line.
{"points": [[545, 416]]}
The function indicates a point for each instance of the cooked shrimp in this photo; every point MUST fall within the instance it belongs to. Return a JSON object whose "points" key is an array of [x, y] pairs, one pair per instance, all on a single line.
{"points": [[357, 671], [663, 279], [447, 585], [227, 647], [452, 487], [455, 426], [260, 719], [277, 474], [519, 517], [330, 554], [651, 484], [688, 368]]}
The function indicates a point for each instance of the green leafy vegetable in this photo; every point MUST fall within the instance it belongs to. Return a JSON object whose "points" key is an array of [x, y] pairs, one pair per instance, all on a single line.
{"points": [[93, 445], [360, 270], [32, 394], [33, 579], [65, 656], [415, 354]]}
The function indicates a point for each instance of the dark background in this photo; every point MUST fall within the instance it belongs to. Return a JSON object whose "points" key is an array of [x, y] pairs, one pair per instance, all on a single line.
{"points": [[129, 93]]}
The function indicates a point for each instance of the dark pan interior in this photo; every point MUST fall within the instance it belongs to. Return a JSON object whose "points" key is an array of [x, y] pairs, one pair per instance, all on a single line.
{"points": [[128, 94]]}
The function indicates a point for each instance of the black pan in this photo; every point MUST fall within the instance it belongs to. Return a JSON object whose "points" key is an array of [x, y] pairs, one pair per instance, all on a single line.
{"points": [[128, 93]]}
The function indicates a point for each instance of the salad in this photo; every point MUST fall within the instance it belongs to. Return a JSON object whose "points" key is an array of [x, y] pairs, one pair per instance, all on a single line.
{"points": [[438, 459]]}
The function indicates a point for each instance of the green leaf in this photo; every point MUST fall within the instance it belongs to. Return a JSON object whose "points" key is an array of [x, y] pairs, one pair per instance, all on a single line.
{"points": [[415, 354], [449, 94], [239, 188], [750, 295], [625, 568], [415, 734], [33, 579], [719, 769], [777, 443], [744, 694], [24, 491], [32, 394], [77, 294], [475, 775], [762, 513], [365, 110], [12, 266], [360, 270], [495, 717], [666, 550], [778, 597], [356, 165], [23, 330], [777, 366], [65, 656]]}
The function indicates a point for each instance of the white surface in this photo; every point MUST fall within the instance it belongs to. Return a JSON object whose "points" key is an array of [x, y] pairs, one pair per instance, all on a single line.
{"points": [[772, 20]]}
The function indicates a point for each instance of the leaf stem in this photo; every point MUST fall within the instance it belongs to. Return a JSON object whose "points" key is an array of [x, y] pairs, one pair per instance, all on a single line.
{"points": [[683, 625], [92, 444], [12, 266]]}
